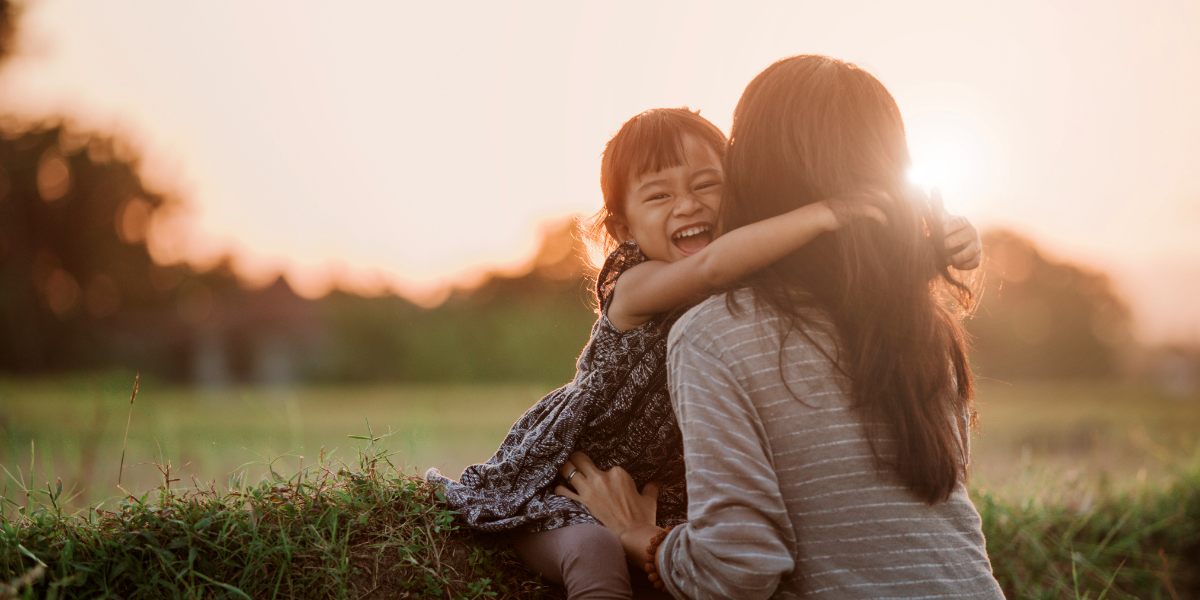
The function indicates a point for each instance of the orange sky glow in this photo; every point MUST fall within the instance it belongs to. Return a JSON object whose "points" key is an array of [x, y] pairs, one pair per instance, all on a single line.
{"points": [[408, 146]]}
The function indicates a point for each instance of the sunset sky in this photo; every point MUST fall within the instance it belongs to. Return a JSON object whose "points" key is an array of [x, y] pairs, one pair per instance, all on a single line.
{"points": [[412, 144]]}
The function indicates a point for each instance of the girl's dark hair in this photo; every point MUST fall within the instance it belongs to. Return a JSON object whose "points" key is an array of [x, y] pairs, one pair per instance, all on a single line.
{"points": [[647, 143], [812, 127]]}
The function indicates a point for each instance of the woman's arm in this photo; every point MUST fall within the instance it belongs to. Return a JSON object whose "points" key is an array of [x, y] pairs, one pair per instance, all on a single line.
{"points": [[657, 286], [737, 542]]}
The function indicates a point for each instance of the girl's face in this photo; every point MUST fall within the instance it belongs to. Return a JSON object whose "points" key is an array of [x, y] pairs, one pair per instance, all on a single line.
{"points": [[671, 213]]}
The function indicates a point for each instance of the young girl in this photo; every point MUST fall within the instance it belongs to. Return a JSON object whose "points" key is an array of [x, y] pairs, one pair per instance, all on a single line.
{"points": [[661, 178]]}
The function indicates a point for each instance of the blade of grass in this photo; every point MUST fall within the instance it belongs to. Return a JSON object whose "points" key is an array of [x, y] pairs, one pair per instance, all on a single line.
{"points": [[29, 488], [128, 420], [224, 585], [1108, 587]]}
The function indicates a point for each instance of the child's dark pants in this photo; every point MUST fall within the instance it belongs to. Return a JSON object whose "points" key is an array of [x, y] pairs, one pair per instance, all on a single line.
{"points": [[587, 559]]}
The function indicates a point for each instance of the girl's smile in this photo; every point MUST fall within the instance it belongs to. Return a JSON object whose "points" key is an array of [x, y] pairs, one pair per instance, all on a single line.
{"points": [[671, 213], [689, 239]]}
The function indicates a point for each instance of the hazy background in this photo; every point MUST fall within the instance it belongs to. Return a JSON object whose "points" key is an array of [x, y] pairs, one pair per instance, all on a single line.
{"points": [[294, 218], [407, 145]]}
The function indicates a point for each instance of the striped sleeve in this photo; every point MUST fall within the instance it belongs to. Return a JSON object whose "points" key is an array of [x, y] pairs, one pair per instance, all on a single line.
{"points": [[738, 539]]}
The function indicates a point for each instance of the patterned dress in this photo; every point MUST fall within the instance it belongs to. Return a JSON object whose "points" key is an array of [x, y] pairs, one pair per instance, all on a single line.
{"points": [[616, 410]]}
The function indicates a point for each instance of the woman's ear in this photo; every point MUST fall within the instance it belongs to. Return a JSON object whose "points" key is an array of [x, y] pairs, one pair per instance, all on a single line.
{"points": [[618, 228]]}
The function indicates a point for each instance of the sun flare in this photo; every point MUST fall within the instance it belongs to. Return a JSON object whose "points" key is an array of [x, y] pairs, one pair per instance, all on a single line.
{"points": [[953, 143], [938, 163]]}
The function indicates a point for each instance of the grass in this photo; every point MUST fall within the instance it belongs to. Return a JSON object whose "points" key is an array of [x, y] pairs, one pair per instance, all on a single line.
{"points": [[369, 531], [1086, 490], [1089, 434], [1110, 436], [329, 531], [1141, 546], [76, 427]]}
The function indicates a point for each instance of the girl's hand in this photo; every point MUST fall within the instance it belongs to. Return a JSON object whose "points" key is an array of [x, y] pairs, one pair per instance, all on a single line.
{"points": [[963, 246], [961, 243], [612, 498], [861, 205]]}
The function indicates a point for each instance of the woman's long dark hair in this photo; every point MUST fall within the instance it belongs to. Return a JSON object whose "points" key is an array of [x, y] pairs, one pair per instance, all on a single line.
{"points": [[812, 127]]}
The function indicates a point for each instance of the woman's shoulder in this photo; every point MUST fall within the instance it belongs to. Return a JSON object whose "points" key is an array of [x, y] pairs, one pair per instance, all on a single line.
{"points": [[734, 318], [715, 318]]}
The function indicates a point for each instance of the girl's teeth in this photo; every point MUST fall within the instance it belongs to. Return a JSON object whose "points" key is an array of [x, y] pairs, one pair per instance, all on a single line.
{"points": [[692, 231]]}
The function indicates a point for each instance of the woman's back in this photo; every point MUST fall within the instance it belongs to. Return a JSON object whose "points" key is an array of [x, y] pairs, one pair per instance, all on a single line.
{"points": [[816, 515]]}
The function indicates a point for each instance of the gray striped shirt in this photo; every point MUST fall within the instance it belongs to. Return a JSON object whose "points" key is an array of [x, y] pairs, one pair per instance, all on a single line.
{"points": [[785, 497]]}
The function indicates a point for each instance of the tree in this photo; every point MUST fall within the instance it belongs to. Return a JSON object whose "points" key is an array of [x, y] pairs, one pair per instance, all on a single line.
{"points": [[8, 28], [1043, 318], [73, 259], [528, 326]]}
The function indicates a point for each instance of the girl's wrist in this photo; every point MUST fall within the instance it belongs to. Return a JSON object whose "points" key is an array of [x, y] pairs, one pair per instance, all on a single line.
{"points": [[823, 214]]}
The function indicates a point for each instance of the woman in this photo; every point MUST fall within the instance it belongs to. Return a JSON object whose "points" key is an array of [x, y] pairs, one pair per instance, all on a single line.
{"points": [[824, 405]]}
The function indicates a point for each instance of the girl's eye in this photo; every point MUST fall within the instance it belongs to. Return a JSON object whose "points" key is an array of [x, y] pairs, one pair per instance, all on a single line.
{"points": [[707, 184], [659, 196]]}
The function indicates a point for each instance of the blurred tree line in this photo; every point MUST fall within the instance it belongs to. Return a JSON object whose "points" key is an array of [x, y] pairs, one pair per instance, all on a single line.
{"points": [[79, 290], [1038, 317], [529, 327]]}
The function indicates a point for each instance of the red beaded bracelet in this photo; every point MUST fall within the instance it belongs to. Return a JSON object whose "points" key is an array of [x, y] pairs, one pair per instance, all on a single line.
{"points": [[652, 551]]}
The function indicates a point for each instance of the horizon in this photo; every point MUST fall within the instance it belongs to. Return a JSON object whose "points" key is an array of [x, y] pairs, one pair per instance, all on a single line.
{"points": [[409, 163]]}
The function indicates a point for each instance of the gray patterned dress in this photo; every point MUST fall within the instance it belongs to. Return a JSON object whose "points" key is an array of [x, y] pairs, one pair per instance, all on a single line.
{"points": [[616, 410]]}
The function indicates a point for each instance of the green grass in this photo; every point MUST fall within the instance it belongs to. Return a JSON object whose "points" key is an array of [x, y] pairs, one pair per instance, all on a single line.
{"points": [[76, 427], [368, 530], [1087, 489], [1089, 435], [330, 531], [1144, 545]]}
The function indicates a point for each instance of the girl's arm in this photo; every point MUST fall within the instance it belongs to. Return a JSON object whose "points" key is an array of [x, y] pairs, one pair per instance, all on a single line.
{"points": [[657, 286]]}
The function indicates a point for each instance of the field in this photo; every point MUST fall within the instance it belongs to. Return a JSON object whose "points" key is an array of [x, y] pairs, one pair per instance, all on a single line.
{"points": [[1035, 439], [1086, 489]]}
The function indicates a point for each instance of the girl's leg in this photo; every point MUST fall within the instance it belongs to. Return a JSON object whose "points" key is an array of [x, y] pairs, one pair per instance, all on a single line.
{"points": [[586, 558]]}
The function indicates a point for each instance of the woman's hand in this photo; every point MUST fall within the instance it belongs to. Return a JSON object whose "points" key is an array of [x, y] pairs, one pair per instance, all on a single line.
{"points": [[613, 498]]}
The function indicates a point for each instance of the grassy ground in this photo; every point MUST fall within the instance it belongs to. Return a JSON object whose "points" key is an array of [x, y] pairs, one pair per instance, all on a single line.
{"points": [[367, 530], [1078, 483], [76, 428], [1087, 435], [332, 530]]}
